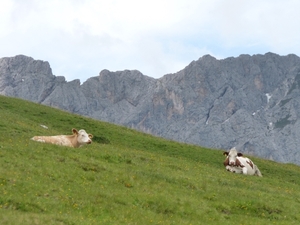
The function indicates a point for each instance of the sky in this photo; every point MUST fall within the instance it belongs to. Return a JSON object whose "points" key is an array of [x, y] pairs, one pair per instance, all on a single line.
{"points": [[80, 38]]}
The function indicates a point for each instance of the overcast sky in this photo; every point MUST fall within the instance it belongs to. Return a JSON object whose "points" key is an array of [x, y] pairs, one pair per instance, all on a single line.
{"points": [[79, 38]]}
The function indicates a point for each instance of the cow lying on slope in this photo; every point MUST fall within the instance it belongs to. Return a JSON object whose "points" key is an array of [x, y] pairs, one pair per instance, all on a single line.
{"points": [[78, 139], [236, 163]]}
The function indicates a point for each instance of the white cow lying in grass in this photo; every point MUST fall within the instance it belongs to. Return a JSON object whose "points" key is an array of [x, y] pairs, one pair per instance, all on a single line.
{"points": [[78, 139], [236, 163]]}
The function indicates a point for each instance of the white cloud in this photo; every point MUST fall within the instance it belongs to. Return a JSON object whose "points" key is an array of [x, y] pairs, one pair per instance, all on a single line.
{"points": [[79, 38], [271, 23]]}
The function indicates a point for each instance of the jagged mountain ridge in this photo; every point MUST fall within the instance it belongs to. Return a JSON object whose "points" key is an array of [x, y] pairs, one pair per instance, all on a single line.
{"points": [[251, 102]]}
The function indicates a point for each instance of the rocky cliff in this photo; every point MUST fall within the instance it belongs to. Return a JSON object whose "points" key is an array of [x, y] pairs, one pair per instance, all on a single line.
{"points": [[251, 102]]}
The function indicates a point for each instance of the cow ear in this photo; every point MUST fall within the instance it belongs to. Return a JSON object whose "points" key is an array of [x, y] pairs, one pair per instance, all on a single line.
{"points": [[74, 131], [90, 136], [225, 153], [239, 154]]}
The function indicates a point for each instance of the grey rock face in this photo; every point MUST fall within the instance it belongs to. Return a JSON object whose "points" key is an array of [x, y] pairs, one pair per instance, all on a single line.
{"points": [[26, 78], [251, 102]]}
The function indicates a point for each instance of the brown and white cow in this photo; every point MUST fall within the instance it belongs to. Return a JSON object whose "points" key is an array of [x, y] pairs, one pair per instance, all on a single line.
{"points": [[236, 163], [77, 139]]}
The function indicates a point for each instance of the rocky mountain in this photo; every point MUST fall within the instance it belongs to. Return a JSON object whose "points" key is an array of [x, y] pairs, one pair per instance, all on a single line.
{"points": [[251, 102]]}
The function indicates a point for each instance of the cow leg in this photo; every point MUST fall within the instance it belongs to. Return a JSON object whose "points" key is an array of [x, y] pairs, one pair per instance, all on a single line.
{"points": [[245, 170], [257, 172], [229, 168]]}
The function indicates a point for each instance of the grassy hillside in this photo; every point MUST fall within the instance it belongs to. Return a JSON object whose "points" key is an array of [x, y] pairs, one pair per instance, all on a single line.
{"points": [[127, 177]]}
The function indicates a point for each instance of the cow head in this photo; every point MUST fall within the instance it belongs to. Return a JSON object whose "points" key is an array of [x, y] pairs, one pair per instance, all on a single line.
{"points": [[231, 159], [82, 136]]}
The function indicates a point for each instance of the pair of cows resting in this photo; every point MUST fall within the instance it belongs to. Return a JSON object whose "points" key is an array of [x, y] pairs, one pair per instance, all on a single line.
{"points": [[234, 162]]}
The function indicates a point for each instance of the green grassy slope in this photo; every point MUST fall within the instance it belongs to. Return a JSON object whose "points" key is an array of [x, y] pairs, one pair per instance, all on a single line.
{"points": [[127, 177]]}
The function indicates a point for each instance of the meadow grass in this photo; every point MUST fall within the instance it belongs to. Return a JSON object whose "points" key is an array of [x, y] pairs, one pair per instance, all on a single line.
{"points": [[128, 177]]}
